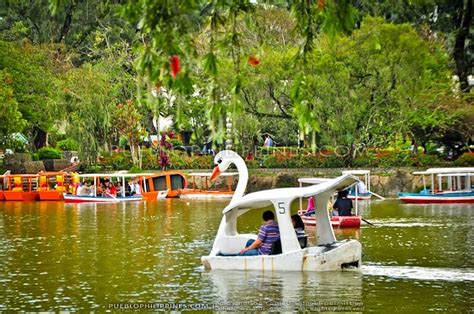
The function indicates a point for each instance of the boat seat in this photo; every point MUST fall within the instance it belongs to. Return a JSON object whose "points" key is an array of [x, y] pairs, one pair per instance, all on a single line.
{"points": [[276, 248]]}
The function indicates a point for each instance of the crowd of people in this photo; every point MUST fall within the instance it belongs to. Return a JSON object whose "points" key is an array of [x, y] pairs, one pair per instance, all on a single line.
{"points": [[107, 188]]}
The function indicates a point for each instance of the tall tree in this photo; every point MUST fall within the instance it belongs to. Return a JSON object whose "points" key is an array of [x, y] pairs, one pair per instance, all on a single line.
{"points": [[10, 116], [34, 71], [449, 20]]}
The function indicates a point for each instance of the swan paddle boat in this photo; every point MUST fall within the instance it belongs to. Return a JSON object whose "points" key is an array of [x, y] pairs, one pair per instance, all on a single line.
{"points": [[448, 185], [329, 254]]}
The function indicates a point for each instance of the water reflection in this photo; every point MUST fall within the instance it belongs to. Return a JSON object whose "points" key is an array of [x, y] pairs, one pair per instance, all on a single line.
{"points": [[284, 291], [79, 257]]}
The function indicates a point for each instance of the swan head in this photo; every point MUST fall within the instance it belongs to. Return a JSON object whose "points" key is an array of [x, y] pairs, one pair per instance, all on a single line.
{"points": [[222, 161]]}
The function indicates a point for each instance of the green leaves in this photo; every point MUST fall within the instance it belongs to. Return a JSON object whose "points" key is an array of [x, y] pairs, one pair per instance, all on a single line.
{"points": [[11, 117], [210, 64]]}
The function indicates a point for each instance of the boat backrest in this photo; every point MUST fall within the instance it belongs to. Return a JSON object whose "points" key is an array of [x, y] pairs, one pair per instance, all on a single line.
{"points": [[276, 247], [303, 240]]}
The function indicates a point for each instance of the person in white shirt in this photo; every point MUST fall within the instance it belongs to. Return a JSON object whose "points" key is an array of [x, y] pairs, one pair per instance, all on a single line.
{"points": [[81, 189], [361, 188], [136, 188]]}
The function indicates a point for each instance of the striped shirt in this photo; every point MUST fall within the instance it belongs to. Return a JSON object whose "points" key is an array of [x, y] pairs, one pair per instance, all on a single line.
{"points": [[268, 234]]}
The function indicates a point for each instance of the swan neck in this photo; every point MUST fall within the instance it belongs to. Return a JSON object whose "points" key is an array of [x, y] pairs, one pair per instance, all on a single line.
{"points": [[243, 179]]}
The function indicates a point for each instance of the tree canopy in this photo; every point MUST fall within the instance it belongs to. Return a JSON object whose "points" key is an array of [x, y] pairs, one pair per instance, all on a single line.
{"points": [[336, 73]]}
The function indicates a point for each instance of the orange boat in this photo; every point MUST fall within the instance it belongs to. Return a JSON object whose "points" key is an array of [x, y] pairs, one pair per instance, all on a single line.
{"points": [[166, 184], [207, 190], [2, 187], [21, 187], [51, 186]]}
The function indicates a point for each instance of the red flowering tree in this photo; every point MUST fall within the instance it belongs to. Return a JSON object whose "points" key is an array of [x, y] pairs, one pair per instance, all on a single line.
{"points": [[165, 147]]}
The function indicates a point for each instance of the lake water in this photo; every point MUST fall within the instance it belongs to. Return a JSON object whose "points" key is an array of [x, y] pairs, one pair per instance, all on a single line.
{"points": [[146, 255]]}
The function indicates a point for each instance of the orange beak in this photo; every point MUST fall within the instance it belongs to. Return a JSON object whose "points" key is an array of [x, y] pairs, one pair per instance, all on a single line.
{"points": [[215, 173]]}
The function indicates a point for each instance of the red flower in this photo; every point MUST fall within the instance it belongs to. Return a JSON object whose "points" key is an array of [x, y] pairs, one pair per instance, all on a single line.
{"points": [[175, 66], [253, 61], [321, 4]]}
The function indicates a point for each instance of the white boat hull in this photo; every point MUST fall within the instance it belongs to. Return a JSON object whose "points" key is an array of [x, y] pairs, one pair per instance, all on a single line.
{"points": [[206, 195], [318, 258], [99, 199]]}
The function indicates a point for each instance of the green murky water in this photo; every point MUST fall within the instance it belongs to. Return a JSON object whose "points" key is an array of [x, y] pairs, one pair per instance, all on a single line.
{"points": [[56, 256]]}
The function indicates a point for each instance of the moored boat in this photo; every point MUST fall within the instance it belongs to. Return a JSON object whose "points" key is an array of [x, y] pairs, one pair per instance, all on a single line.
{"points": [[161, 185], [52, 186], [105, 188], [447, 185], [2, 187], [361, 191], [21, 187], [203, 188]]}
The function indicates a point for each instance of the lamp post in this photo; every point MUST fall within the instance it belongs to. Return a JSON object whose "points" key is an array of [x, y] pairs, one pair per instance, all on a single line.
{"points": [[228, 125]]}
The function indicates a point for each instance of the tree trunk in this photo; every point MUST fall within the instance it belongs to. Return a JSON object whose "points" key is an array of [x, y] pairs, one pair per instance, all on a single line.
{"points": [[67, 22], [460, 43], [40, 138], [133, 152]]}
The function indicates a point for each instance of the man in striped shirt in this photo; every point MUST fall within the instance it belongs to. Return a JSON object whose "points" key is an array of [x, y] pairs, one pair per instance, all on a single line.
{"points": [[267, 234]]}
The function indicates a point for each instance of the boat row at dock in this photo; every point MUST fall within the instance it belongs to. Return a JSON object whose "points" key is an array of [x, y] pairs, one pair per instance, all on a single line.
{"points": [[110, 187], [440, 185]]}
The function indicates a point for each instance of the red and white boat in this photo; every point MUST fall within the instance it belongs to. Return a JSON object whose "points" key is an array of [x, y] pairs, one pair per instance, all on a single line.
{"points": [[95, 193], [447, 186], [336, 221]]}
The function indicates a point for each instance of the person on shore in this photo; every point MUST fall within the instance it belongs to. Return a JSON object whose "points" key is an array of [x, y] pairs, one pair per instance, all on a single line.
{"points": [[267, 235], [268, 141]]}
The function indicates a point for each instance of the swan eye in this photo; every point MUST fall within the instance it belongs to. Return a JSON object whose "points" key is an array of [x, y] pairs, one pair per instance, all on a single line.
{"points": [[219, 160]]}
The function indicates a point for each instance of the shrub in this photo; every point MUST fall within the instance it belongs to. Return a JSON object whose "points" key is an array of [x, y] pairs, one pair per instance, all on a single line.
{"points": [[252, 163], [332, 161], [35, 157], [49, 153], [116, 161], [388, 159], [203, 162], [68, 144], [366, 160], [427, 160], [466, 160], [91, 168], [176, 142], [135, 169]]}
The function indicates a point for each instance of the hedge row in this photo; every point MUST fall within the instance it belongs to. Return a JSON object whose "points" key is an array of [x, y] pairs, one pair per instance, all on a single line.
{"points": [[278, 159]]}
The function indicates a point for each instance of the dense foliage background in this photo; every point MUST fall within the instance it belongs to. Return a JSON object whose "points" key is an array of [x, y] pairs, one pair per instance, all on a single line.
{"points": [[330, 75]]}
